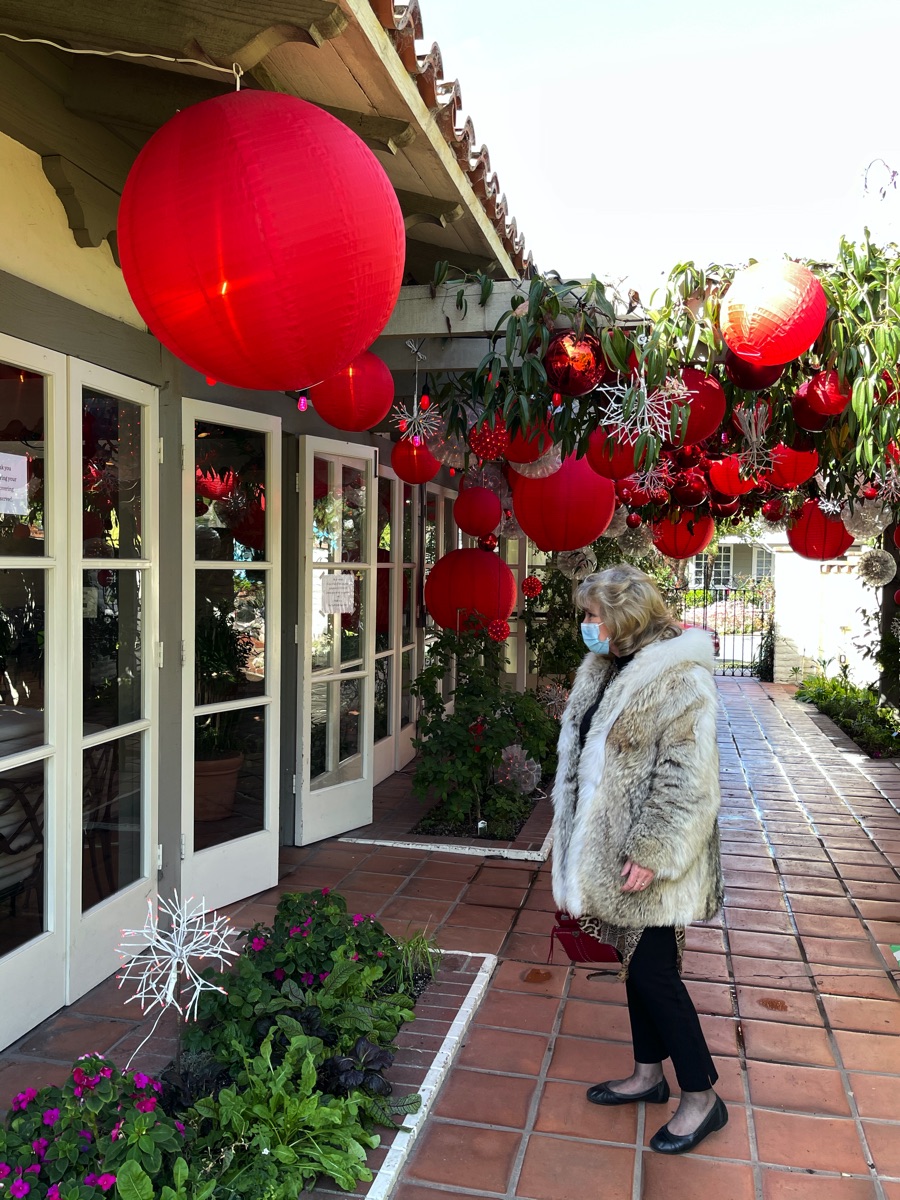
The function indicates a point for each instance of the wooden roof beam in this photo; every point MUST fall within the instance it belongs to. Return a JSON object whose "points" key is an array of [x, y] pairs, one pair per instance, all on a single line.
{"points": [[428, 210]]}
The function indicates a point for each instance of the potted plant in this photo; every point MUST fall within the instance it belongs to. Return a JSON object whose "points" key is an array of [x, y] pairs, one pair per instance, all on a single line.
{"points": [[222, 655]]}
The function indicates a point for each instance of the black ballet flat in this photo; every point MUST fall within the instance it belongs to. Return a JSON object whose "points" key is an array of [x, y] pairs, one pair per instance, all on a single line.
{"points": [[601, 1093], [665, 1142]]}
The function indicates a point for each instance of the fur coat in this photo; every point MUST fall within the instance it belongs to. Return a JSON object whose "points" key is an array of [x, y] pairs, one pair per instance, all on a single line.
{"points": [[645, 787]]}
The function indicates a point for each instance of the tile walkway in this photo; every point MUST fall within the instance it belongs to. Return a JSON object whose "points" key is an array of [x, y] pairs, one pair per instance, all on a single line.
{"points": [[796, 985]]}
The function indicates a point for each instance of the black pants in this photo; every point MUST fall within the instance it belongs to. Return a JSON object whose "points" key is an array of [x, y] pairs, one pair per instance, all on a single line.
{"points": [[664, 1022]]}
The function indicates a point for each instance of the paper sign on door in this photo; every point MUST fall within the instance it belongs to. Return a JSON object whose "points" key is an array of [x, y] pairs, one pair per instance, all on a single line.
{"points": [[338, 593], [13, 484]]}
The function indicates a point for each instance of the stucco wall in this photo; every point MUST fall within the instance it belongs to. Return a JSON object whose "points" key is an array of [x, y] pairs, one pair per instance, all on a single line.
{"points": [[37, 244]]}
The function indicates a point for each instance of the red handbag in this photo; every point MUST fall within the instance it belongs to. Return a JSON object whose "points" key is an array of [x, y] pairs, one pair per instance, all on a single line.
{"points": [[581, 947]]}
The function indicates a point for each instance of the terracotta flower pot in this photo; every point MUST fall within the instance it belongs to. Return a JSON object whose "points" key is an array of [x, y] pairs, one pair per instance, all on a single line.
{"points": [[215, 787]]}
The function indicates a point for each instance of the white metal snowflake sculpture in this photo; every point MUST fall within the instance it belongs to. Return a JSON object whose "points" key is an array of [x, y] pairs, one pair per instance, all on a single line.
{"points": [[162, 967], [753, 423], [629, 410]]}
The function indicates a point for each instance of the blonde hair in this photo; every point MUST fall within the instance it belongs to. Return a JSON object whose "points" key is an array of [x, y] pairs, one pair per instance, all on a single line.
{"points": [[632, 606]]}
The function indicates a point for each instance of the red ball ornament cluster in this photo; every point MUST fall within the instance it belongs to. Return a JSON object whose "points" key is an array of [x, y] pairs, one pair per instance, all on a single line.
{"points": [[498, 630], [531, 587], [489, 442]]}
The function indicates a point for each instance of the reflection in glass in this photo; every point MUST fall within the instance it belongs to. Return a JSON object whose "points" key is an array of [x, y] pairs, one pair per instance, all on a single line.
{"points": [[430, 529], [339, 512], [452, 537], [21, 855], [111, 656], [353, 516], [325, 625], [383, 622], [382, 719], [510, 551], [229, 780], [22, 518], [111, 477], [111, 815], [22, 619], [230, 636], [385, 538], [230, 493], [406, 630], [335, 733], [406, 678], [408, 511]]}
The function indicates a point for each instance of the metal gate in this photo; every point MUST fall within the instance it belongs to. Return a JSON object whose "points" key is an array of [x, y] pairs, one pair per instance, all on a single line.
{"points": [[742, 621]]}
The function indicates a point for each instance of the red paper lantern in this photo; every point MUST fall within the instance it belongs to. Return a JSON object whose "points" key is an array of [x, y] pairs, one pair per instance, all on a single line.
{"points": [[825, 395], [612, 455], [705, 405], [469, 588], [413, 463], [489, 442], [498, 630], [477, 511], [806, 418], [725, 476], [791, 468], [357, 398], [816, 535], [566, 510], [772, 312], [531, 587], [529, 445], [684, 538], [235, 215], [749, 376], [574, 365], [724, 506]]}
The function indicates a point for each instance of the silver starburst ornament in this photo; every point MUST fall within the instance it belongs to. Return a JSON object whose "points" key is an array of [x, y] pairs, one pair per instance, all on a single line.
{"points": [[518, 770], [876, 568]]}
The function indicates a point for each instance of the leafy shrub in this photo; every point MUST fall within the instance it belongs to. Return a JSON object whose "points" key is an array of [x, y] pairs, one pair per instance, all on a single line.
{"points": [[875, 727]]}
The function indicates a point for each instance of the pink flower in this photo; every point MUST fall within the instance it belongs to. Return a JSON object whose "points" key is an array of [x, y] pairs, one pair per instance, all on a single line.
{"points": [[106, 1072], [307, 980], [354, 958], [380, 953], [79, 1076], [39, 1146], [279, 973], [324, 976], [140, 1079], [358, 919], [53, 1192], [34, 1169], [308, 921], [86, 1133], [181, 1129], [258, 943], [325, 891], [51, 1116], [295, 929], [116, 1130], [105, 1182], [23, 1099], [19, 1187], [147, 1104], [90, 1180], [305, 933], [5, 1169]]}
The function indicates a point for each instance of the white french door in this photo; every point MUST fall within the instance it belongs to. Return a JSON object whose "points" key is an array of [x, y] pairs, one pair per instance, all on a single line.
{"points": [[113, 467], [231, 500], [337, 636], [34, 821]]}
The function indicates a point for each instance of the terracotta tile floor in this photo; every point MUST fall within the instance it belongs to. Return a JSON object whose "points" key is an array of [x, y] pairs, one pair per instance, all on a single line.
{"points": [[795, 983]]}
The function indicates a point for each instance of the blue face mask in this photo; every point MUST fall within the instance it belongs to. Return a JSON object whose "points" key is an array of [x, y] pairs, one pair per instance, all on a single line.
{"points": [[590, 635]]}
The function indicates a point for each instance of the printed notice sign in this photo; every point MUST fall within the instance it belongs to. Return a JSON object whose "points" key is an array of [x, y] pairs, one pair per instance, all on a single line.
{"points": [[13, 484], [337, 593]]}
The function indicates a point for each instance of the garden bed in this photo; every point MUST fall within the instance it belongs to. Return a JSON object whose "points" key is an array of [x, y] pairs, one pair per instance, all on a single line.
{"points": [[856, 711]]}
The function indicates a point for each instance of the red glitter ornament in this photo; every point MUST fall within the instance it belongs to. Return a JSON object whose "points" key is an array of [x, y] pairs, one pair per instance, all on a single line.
{"points": [[532, 587], [488, 543], [498, 630], [574, 365], [489, 442]]}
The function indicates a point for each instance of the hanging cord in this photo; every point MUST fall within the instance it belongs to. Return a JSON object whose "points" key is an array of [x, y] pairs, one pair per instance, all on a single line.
{"points": [[234, 69], [238, 72]]}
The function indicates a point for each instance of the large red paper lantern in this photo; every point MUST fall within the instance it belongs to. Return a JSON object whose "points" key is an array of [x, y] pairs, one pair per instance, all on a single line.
{"points": [[749, 376], [469, 587], [725, 476], [574, 365], [826, 395], [816, 535], [772, 312], [791, 468], [566, 510], [477, 511], [357, 398], [528, 445], [612, 455], [684, 538], [237, 216], [705, 405], [412, 462]]}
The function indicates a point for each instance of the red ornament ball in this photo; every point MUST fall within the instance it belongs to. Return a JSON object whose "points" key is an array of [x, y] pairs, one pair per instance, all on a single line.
{"points": [[357, 398], [477, 511], [827, 394], [413, 463], [773, 312], [574, 365], [684, 538], [816, 535], [690, 489], [773, 511], [468, 589], [487, 441], [528, 445], [791, 468], [498, 631], [897, 596], [488, 543], [611, 454], [807, 418], [531, 587], [566, 510], [748, 376], [896, 535], [633, 520], [705, 405], [725, 476], [234, 213]]}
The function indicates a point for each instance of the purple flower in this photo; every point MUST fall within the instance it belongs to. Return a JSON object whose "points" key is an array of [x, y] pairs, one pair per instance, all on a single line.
{"points": [[34, 1169], [90, 1180], [181, 1129], [51, 1116], [358, 919], [258, 943], [106, 1072], [147, 1104], [19, 1187], [5, 1169], [105, 1182], [53, 1192], [39, 1146], [324, 976], [23, 1099], [295, 929], [307, 980], [279, 974], [86, 1133], [140, 1079], [380, 953], [116, 1130]]}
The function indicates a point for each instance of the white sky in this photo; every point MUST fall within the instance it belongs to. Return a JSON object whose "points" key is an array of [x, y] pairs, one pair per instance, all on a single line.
{"points": [[629, 135]]}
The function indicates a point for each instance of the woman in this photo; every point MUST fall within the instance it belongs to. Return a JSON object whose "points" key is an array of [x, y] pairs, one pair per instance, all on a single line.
{"points": [[635, 839]]}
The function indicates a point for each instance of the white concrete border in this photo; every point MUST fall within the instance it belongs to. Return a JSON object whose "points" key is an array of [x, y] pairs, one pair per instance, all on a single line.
{"points": [[389, 1172], [475, 850]]}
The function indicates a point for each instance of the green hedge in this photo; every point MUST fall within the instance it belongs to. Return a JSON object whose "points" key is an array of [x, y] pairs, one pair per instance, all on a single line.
{"points": [[875, 727]]}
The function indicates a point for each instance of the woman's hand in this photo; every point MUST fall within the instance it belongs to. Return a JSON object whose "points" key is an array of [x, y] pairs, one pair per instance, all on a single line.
{"points": [[636, 879]]}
